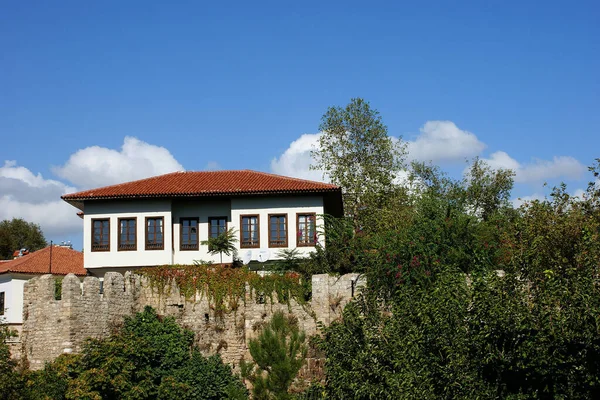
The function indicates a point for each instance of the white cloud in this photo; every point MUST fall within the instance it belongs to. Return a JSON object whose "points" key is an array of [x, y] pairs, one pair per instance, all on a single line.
{"points": [[444, 142], [35, 199], [21, 184], [558, 167], [538, 170], [296, 160], [24, 194], [439, 141], [501, 160], [99, 166]]}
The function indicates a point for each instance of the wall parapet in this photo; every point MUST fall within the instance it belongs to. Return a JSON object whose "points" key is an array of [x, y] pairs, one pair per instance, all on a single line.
{"points": [[89, 309]]}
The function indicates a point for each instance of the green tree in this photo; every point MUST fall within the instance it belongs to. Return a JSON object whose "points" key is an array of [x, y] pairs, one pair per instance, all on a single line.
{"points": [[224, 242], [340, 253], [414, 348], [356, 153], [51, 383], [149, 358], [483, 337], [17, 234], [486, 190], [10, 381], [437, 320], [278, 353]]}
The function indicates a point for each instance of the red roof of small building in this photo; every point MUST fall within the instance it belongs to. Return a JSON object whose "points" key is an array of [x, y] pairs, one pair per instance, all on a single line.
{"points": [[209, 183], [64, 261]]}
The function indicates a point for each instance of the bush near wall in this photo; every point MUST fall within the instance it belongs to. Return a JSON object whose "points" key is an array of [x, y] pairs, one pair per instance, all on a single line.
{"points": [[439, 320], [149, 358]]}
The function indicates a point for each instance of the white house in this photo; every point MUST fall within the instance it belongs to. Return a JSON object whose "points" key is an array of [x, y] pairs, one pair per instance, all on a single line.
{"points": [[56, 260], [164, 219]]}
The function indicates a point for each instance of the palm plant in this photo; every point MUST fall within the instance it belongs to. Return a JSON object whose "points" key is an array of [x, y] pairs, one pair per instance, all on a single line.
{"points": [[224, 242]]}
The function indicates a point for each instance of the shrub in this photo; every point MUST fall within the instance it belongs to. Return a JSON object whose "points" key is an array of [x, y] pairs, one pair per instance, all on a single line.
{"points": [[10, 381], [149, 358]]}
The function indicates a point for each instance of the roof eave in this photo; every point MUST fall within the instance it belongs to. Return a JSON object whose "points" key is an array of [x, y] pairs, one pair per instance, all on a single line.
{"points": [[42, 273], [75, 202], [78, 201]]}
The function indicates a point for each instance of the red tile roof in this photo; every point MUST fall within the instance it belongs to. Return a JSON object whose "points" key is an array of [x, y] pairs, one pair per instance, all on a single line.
{"points": [[212, 183], [64, 261]]}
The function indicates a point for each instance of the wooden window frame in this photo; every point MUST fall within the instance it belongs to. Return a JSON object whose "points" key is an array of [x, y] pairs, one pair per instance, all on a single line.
{"points": [[119, 244], [181, 244], [210, 219], [162, 247], [92, 244], [314, 238], [287, 226], [249, 246]]}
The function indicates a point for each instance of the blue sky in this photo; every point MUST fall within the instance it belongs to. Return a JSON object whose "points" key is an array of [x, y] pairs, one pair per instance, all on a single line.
{"points": [[97, 93]]}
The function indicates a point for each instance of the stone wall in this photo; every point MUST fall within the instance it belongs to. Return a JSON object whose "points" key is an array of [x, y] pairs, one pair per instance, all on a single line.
{"points": [[53, 327]]}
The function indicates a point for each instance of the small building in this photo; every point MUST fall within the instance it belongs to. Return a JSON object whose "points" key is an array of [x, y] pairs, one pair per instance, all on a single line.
{"points": [[56, 260], [164, 220]]}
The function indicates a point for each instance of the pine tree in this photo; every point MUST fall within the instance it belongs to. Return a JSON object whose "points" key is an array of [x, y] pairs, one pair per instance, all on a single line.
{"points": [[278, 354]]}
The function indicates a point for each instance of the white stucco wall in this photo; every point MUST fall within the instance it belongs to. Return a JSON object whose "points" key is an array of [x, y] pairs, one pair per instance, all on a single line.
{"points": [[201, 209], [12, 286], [263, 206], [232, 209], [173, 210], [127, 209]]}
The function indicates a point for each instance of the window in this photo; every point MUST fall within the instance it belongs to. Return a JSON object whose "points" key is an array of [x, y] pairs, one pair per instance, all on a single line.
{"points": [[155, 233], [127, 234], [307, 232], [216, 226], [101, 234], [278, 230], [1, 303], [250, 236], [189, 233]]}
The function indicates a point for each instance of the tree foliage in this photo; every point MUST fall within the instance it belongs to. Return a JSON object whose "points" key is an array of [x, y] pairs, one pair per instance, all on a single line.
{"points": [[487, 190], [438, 320], [10, 384], [150, 357], [439, 223], [356, 153], [278, 353], [17, 234], [467, 297]]}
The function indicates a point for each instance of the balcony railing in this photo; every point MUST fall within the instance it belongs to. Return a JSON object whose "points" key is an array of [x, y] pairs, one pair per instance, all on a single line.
{"points": [[154, 246], [126, 246], [100, 247], [189, 246]]}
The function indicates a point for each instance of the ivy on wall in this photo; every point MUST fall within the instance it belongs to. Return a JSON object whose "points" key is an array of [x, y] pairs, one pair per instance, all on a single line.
{"points": [[225, 287]]}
